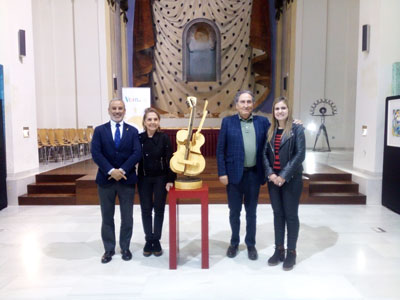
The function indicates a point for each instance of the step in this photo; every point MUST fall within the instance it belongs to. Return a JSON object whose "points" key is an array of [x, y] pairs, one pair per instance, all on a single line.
{"points": [[58, 177], [336, 198], [333, 187], [329, 176], [52, 188], [47, 199]]}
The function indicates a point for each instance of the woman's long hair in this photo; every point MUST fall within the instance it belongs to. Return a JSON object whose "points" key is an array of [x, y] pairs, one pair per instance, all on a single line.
{"points": [[275, 124], [146, 112]]}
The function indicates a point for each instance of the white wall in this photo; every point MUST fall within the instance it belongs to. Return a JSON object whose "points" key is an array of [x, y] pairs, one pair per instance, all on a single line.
{"points": [[374, 80], [326, 66], [70, 62], [19, 91], [19, 86]]}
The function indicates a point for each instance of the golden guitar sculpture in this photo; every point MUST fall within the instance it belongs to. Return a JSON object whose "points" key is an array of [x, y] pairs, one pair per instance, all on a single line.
{"points": [[187, 159]]}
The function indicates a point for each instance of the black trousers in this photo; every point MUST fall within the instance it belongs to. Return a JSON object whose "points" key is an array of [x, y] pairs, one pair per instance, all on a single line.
{"points": [[246, 191], [152, 195], [285, 205], [107, 195]]}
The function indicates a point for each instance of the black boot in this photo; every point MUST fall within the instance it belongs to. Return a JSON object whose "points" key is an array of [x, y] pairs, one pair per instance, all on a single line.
{"points": [[157, 250], [277, 257], [148, 248], [290, 260]]}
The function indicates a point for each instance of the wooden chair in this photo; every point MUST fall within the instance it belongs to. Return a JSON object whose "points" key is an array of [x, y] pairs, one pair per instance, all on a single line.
{"points": [[83, 140], [63, 143], [41, 150], [43, 141], [51, 134], [72, 137], [89, 136]]}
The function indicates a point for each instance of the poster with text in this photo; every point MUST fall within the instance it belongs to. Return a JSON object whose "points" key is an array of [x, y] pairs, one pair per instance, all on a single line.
{"points": [[136, 101]]}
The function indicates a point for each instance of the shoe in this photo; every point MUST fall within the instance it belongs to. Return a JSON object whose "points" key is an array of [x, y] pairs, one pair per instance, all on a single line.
{"points": [[290, 260], [232, 251], [252, 253], [107, 257], [148, 248], [126, 254], [157, 250], [277, 257]]}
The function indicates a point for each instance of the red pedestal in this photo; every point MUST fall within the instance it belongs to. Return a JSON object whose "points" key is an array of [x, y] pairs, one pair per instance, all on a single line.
{"points": [[173, 197]]}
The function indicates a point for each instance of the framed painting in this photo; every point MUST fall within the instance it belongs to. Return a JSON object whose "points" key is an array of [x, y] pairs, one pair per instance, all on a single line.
{"points": [[393, 123]]}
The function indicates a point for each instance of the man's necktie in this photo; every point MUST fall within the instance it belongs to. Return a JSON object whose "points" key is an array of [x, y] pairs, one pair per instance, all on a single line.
{"points": [[117, 137]]}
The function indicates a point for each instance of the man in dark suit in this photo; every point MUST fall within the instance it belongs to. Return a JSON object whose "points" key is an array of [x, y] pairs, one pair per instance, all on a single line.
{"points": [[239, 157], [116, 150]]}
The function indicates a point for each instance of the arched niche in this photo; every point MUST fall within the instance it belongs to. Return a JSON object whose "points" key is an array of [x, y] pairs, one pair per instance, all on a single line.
{"points": [[201, 51]]}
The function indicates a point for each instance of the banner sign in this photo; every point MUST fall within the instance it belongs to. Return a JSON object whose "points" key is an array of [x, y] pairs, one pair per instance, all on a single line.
{"points": [[136, 101]]}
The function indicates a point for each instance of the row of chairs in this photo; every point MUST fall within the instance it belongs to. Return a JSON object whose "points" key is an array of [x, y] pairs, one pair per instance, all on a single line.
{"points": [[69, 143]]}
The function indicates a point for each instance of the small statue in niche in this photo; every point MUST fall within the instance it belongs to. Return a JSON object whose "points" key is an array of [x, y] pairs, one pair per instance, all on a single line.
{"points": [[201, 45], [201, 39]]}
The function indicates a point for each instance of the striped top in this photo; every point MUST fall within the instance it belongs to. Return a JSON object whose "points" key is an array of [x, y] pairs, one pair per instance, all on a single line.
{"points": [[277, 143]]}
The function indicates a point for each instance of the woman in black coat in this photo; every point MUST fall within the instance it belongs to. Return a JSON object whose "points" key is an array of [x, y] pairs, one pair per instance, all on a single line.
{"points": [[283, 155], [155, 178]]}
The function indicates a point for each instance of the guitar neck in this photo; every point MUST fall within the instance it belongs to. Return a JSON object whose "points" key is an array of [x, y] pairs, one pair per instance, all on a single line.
{"points": [[202, 118], [190, 132]]}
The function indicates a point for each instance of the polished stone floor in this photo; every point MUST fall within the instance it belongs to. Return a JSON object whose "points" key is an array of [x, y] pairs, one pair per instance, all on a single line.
{"points": [[344, 252]]}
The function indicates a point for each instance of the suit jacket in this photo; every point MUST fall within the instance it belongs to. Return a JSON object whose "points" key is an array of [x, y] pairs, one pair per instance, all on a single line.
{"points": [[230, 147], [107, 156]]}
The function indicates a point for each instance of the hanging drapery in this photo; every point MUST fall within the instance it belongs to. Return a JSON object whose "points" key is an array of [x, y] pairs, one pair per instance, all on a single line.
{"points": [[143, 42], [233, 20]]}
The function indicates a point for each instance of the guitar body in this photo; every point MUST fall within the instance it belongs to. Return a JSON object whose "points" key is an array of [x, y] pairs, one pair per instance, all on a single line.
{"points": [[198, 163], [187, 159], [197, 141], [176, 163]]}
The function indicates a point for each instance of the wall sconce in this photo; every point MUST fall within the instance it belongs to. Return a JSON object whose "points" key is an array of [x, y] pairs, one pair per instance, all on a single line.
{"points": [[21, 43], [365, 37], [25, 131], [285, 82], [115, 82]]}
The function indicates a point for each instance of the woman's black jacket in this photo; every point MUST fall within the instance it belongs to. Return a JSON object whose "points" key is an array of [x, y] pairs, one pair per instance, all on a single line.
{"points": [[156, 154], [292, 152]]}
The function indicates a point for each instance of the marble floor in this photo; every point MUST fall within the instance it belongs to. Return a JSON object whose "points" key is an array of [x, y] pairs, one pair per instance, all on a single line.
{"points": [[344, 252]]}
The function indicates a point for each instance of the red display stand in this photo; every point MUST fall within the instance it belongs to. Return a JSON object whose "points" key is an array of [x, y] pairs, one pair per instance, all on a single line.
{"points": [[173, 197]]}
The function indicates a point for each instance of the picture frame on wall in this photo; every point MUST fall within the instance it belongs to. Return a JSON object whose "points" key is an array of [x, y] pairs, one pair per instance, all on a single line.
{"points": [[391, 154], [3, 162], [393, 123]]}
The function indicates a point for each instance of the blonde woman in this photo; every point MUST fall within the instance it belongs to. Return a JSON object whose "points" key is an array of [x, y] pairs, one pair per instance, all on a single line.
{"points": [[283, 155], [155, 179]]}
